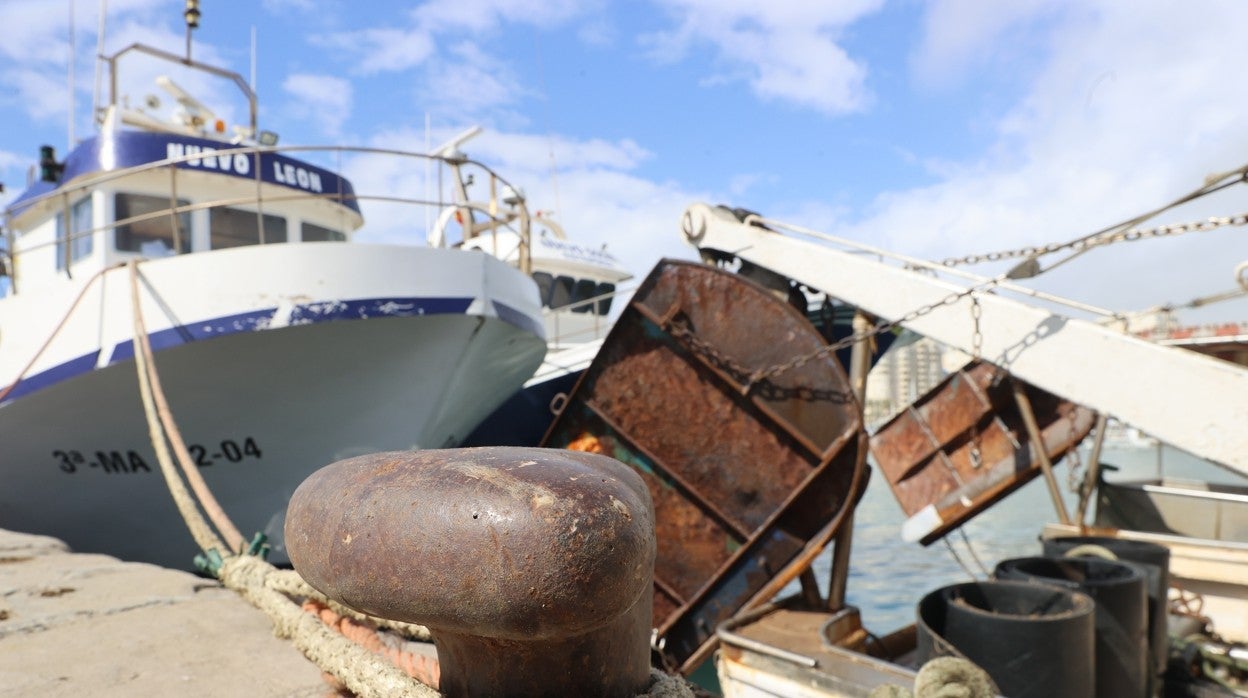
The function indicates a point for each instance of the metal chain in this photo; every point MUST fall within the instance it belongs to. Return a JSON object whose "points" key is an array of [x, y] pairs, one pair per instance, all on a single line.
{"points": [[1131, 235], [879, 328], [679, 329], [1074, 474]]}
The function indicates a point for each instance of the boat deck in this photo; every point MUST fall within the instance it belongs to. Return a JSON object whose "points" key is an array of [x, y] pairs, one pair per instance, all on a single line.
{"points": [[75, 624]]}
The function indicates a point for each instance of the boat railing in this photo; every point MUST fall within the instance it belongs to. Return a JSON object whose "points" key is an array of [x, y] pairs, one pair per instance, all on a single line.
{"points": [[582, 332], [504, 209]]}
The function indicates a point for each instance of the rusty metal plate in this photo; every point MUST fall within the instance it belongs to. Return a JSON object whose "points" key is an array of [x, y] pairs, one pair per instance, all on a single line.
{"points": [[963, 446], [742, 481]]}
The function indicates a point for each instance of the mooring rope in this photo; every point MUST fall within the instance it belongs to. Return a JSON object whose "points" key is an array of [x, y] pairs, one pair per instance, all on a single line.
{"points": [[362, 672], [201, 531], [143, 346], [292, 584]]}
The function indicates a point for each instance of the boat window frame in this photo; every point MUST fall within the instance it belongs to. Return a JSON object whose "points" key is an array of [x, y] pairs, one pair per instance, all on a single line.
{"points": [[184, 223], [582, 291], [331, 234], [248, 218], [80, 246], [545, 284], [606, 294], [562, 291]]}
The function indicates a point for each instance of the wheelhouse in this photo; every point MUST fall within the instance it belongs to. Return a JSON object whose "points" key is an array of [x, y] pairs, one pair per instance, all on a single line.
{"points": [[96, 217]]}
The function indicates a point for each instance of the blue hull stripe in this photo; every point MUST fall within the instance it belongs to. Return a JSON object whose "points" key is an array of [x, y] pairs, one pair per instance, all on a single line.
{"points": [[305, 314], [54, 375]]}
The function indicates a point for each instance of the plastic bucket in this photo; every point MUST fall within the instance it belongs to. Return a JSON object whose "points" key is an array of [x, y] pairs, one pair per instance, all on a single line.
{"points": [[1035, 641], [1118, 588]]}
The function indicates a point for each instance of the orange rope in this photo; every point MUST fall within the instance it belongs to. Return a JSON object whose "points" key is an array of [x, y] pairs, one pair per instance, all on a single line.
{"points": [[398, 651]]}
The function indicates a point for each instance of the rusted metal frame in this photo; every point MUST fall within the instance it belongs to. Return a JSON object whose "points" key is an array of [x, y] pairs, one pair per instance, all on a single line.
{"points": [[1039, 450], [668, 589], [771, 415], [701, 502], [766, 527], [859, 367], [940, 447], [681, 483], [663, 322], [1094, 470], [802, 561], [977, 391]]}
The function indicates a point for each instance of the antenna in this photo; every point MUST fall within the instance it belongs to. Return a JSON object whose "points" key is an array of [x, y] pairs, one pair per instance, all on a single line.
{"points": [[73, 48], [99, 61], [253, 58], [428, 173], [450, 148]]}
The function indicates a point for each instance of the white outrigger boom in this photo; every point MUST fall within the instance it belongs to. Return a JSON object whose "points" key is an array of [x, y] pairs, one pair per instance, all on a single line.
{"points": [[1201, 407]]}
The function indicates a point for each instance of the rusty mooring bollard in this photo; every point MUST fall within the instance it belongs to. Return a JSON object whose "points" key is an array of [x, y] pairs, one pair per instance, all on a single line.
{"points": [[532, 567]]}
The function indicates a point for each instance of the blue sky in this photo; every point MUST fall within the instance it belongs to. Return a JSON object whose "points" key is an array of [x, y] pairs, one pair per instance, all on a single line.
{"points": [[936, 128]]}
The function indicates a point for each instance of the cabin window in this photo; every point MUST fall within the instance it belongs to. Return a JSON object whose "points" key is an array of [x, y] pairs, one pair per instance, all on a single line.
{"points": [[561, 291], [585, 289], [80, 226], [158, 236], [605, 291], [233, 227], [544, 283], [310, 232]]}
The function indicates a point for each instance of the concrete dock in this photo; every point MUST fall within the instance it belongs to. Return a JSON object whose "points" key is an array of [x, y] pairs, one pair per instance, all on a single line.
{"points": [[76, 624]]}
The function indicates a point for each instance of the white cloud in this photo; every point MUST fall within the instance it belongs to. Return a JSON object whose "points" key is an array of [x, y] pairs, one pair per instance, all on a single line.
{"points": [[467, 81], [1130, 107], [383, 49], [323, 100], [38, 56], [785, 49], [959, 35], [282, 6], [486, 15], [395, 49]]}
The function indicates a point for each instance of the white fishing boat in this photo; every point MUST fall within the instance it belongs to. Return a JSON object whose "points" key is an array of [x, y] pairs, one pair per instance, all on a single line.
{"points": [[578, 286], [281, 342], [970, 442]]}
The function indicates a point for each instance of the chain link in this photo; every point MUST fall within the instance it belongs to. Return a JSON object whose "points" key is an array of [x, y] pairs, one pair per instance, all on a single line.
{"points": [[752, 378], [680, 330], [1131, 235]]}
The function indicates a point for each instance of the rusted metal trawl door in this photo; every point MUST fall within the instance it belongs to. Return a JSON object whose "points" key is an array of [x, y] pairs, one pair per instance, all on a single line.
{"points": [[742, 478]]}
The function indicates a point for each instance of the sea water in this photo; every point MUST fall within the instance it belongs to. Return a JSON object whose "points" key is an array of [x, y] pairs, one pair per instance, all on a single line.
{"points": [[888, 576]]}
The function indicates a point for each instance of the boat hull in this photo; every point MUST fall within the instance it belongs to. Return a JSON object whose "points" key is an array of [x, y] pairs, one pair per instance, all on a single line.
{"points": [[260, 410]]}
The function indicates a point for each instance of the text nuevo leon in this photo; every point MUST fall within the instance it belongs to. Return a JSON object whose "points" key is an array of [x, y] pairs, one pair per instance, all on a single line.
{"points": [[240, 164]]}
